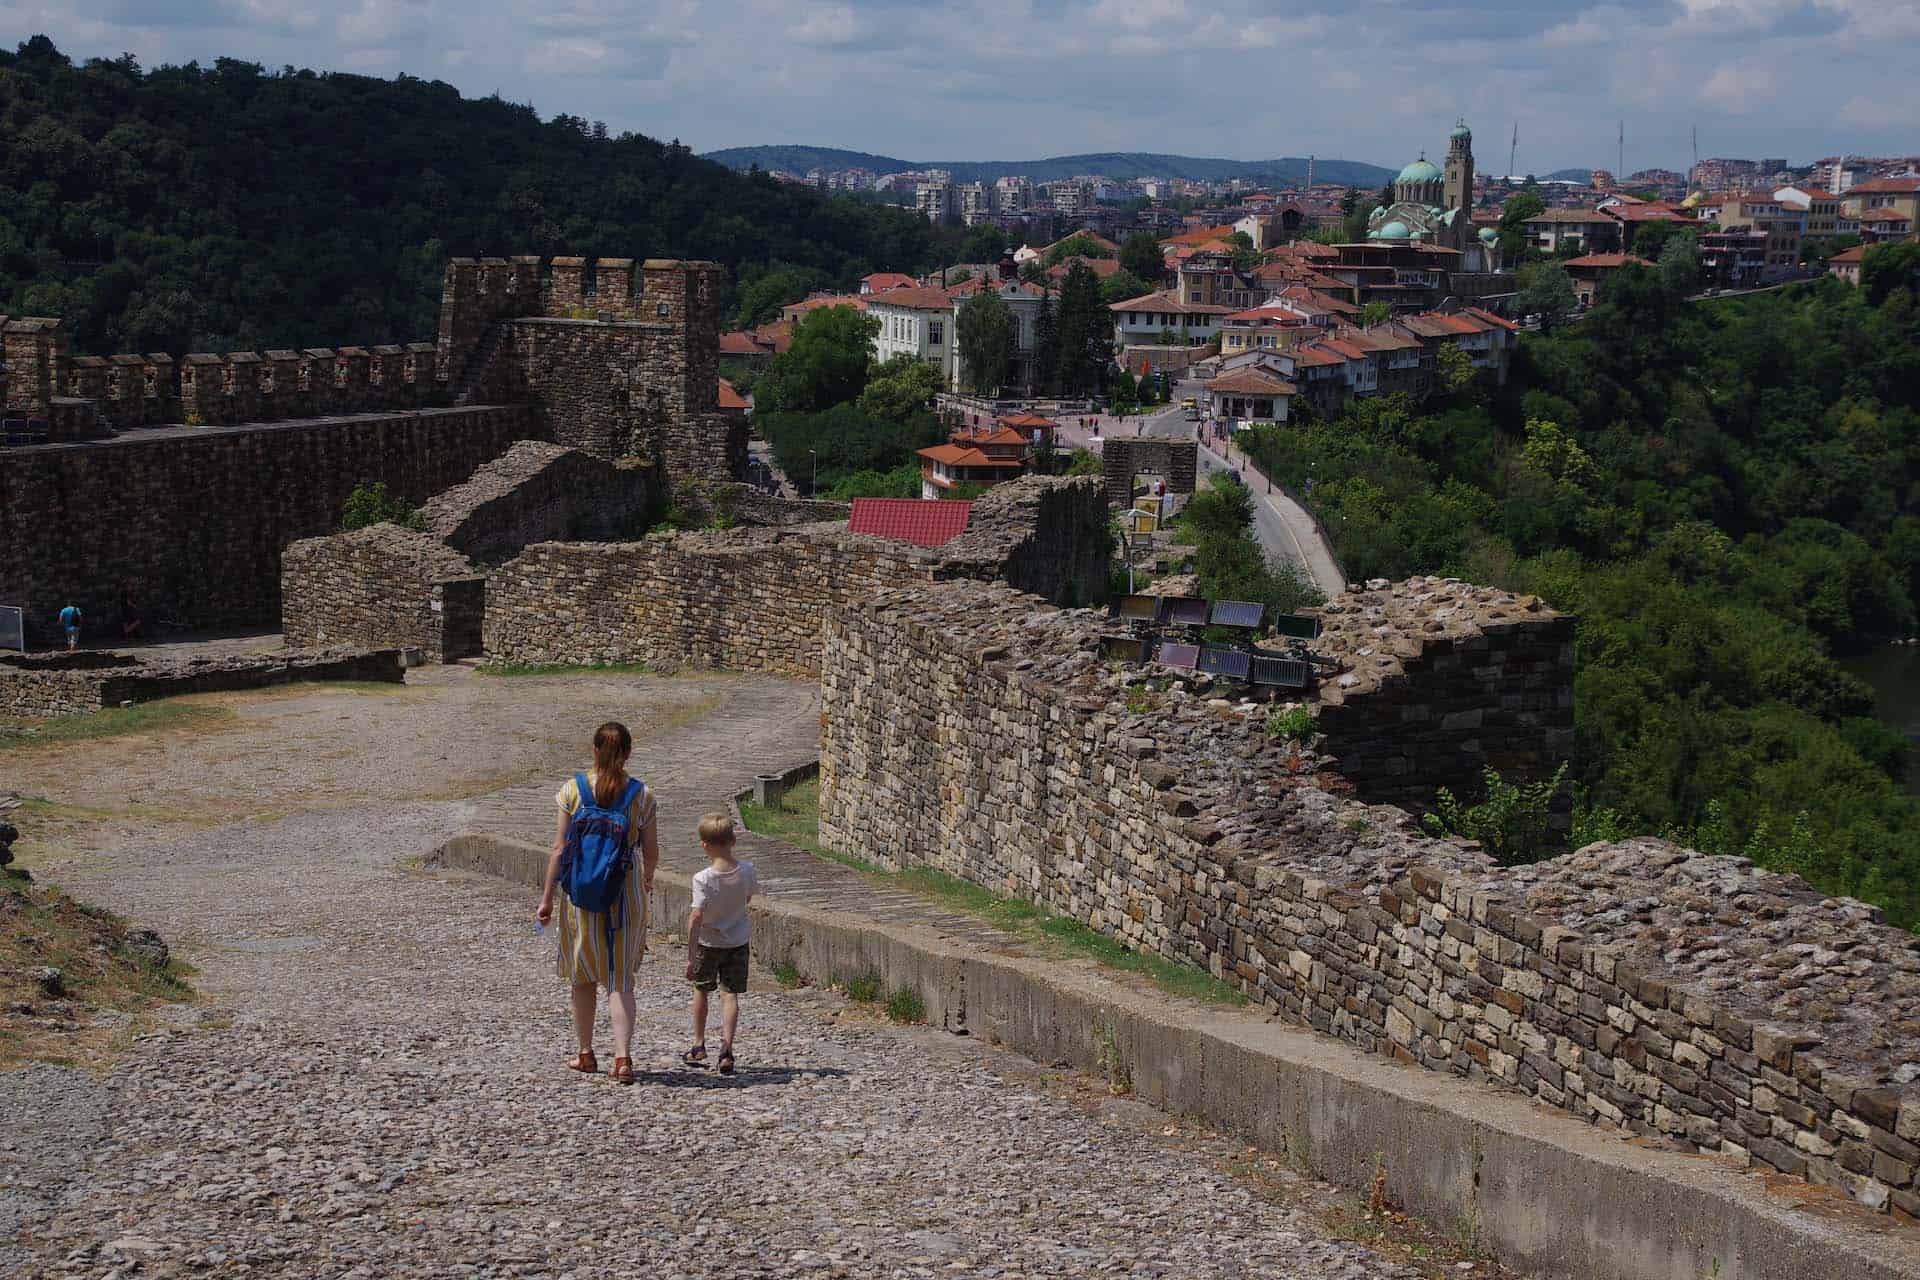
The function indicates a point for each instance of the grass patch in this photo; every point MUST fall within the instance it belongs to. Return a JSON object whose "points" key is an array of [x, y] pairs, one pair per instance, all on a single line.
{"points": [[42, 927], [797, 821], [905, 1005], [788, 975], [864, 988], [514, 670], [114, 722]]}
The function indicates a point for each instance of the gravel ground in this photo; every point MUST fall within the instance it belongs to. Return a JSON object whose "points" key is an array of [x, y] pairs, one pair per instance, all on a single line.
{"points": [[374, 1088]]}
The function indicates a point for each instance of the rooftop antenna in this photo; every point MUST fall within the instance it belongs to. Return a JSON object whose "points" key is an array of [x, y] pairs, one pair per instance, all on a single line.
{"points": [[1514, 150], [1309, 173], [1696, 154]]}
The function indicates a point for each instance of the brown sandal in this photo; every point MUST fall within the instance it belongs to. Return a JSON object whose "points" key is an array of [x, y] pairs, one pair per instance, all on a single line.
{"points": [[585, 1062], [622, 1071]]}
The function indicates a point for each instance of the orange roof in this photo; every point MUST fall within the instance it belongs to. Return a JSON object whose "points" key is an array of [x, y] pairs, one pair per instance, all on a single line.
{"points": [[1027, 420], [743, 342], [1606, 261], [914, 299], [961, 456], [1849, 256], [1886, 186], [1884, 215], [927, 521], [1490, 318], [730, 400], [1646, 213], [1311, 354], [882, 280], [828, 300], [1002, 434], [1252, 381], [1201, 236], [1168, 303]]}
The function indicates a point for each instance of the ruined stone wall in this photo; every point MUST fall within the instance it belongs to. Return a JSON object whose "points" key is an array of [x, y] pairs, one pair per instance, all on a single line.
{"points": [[382, 585], [541, 492], [1440, 681], [1124, 457], [46, 685], [194, 520], [754, 598], [1689, 999]]}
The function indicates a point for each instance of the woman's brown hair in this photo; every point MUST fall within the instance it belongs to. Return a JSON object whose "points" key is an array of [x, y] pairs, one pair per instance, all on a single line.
{"points": [[612, 744]]}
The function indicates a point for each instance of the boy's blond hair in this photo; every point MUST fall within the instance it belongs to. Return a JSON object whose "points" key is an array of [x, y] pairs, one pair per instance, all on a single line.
{"points": [[716, 828]]}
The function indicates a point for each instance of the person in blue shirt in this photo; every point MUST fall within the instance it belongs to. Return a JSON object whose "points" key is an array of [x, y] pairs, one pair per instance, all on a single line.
{"points": [[70, 620]]}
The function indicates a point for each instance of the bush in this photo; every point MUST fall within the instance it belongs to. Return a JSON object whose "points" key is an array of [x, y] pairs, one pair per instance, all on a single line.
{"points": [[1292, 722], [1511, 824], [372, 504]]}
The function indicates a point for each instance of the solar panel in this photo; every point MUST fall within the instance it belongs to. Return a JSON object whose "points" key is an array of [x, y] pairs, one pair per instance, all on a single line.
{"points": [[1288, 673], [1219, 661], [1175, 654], [1183, 611], [1300, 626], [1123, 648], [1237, 613], [1134, 608]]}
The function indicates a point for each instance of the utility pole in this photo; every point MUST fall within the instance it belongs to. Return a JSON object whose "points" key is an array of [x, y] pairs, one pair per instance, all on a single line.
{"points": [[1620, 159], [1696, 156], [1309, 175], [1513, 151]]}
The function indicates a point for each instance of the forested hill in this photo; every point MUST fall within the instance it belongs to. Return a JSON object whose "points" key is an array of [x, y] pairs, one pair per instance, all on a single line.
{"points": [[206, 208], [1119, 165]]}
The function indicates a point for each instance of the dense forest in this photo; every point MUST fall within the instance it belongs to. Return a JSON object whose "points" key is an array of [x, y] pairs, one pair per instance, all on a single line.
{"points": [[210, 208], [1725, 494]]}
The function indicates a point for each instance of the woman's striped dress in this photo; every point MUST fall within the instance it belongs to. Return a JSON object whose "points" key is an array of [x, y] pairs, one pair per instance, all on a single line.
{"points": [[583, 955]]}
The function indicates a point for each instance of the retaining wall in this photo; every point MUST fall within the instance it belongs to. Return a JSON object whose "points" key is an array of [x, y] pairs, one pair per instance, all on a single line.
{"points": [[194, 520], [383, 585], [53, 685], [1692, 1000]]}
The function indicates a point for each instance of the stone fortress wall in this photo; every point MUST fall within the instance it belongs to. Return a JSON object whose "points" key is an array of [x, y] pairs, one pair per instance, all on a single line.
{"points": [[225, 459], [59, 684], [1640, 986], [755, 599]]}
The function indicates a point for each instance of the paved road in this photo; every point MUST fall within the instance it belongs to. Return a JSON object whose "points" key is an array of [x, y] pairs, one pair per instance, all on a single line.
{"points": [[1283, 527]]}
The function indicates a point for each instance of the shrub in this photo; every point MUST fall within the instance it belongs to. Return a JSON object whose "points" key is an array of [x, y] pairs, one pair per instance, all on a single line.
{"points": [[372, 504], [1510, 824], [1292, 722], [905, 1005]]}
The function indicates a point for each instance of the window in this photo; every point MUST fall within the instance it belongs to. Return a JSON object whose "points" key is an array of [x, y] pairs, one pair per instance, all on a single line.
{"points": [[935, 334]]}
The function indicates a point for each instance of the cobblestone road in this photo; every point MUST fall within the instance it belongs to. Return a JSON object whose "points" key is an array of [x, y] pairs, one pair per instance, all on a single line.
{"points": [[374, 1086]]}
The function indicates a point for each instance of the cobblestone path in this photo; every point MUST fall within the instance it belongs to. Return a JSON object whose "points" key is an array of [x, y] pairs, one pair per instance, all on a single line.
{"points": [[374, 1087]]}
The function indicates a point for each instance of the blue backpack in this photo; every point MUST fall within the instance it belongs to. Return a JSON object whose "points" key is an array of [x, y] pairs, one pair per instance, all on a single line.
{"points": [[599, 855]]}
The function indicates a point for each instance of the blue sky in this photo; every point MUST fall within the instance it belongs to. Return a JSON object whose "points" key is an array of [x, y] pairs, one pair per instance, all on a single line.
{"points": [[1021, 79]]}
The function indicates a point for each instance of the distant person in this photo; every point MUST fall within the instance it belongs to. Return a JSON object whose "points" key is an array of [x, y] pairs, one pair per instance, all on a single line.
{"points": [[131, 623], [70, 620], [603, 921], [718, 930]]}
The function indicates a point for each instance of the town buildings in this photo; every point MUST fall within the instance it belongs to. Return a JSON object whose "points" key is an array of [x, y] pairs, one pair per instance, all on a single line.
{"points": [[1590, 230], [1845, 265], [1590, 273], [917, 322]]}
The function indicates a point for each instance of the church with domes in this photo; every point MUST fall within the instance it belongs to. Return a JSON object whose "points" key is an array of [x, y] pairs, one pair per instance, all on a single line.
{"points": [[1432, 207]]}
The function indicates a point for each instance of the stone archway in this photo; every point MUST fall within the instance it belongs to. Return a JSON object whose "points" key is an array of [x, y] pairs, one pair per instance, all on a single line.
{"points": [[1176, 461]]}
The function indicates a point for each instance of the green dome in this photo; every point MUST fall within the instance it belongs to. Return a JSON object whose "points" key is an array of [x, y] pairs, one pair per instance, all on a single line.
{"points": [[1461, 131], [1395, 230], [1488, 235], [1419, 171]]}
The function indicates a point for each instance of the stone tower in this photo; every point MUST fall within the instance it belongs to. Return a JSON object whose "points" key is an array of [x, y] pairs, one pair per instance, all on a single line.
{"points": [[1457, 190]]}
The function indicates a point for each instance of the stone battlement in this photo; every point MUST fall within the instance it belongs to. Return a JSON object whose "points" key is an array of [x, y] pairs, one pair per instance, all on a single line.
{"points": [[1690, 999]]}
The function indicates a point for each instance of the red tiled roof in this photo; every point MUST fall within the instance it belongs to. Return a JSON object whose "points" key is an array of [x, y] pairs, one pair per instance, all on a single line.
{"points": [[1253, 381], [1166, 302], [929, 522], [1645, 213], [834, 300], [1568, 216], [729, 399], [1886, 186], [961, 455], [1201, 236], [881, 280], [1848, 256], [741, 342], [1029, 420], [916, 299], [1883, 215], [1608, 261], [1490, 318]]}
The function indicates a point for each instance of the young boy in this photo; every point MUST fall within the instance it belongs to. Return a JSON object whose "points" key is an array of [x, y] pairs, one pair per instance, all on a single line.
{"points": [[717, 939]]}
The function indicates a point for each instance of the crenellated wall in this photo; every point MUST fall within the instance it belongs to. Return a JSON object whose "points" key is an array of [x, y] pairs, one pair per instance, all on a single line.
{"points": [[193, 520], [1688, 999]]}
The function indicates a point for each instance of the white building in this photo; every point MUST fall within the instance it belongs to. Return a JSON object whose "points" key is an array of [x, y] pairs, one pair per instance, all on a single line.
{"points": [[1142, 321], [1014, 193], [917, 322], [935, 201]]}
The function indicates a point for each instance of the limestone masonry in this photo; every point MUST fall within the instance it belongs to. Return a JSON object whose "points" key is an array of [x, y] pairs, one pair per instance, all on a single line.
{"points": [[614, 358], [58, 684], [1639, 986]]}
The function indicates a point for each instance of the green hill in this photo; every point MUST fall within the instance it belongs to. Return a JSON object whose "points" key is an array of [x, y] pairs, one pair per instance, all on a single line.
{"points": [[207, 208], [1109, 164]]}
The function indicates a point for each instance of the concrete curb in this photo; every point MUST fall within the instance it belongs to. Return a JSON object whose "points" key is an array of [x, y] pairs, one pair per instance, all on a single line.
{"points": [[1544, 1193]]}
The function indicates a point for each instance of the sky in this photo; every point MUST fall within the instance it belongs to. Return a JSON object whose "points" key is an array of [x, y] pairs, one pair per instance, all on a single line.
{"points": [[1374, 80]]}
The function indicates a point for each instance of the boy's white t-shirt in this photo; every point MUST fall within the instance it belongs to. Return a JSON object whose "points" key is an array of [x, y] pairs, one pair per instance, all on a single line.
{"points": [[721, 898]]}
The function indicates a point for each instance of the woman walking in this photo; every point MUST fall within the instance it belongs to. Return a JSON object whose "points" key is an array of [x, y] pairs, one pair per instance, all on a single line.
{"points": [[603, 815]]}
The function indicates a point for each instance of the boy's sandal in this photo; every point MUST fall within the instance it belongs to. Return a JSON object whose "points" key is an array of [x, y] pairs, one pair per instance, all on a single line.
{"points": [[585, 1062], [696, 1056], [725, 1062], [622, 1072]]}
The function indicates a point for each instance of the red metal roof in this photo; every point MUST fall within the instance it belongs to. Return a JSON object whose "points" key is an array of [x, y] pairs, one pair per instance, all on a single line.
{"points": [[930, 522]]}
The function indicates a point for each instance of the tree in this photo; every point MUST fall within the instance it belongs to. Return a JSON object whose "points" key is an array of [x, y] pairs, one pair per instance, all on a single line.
{"points": [[1680, 265], [1081, 245], [1141, 258], [1453, 370], [900, 388], [1375, 312], [1547, 294], [825, 366], [765, 290], [1225, 506], [984, 243], [1887, 267], [1046, 343], [1086, 329], [1123, 285], [1514, 237], [371, 504], [985, 329]]}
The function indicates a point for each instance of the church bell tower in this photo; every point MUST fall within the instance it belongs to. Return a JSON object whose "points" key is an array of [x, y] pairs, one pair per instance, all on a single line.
{"points": [[1457, 193]]}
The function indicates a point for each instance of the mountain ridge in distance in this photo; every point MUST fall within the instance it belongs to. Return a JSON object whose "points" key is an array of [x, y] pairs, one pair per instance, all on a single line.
{"points": [[1109, 164]]}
